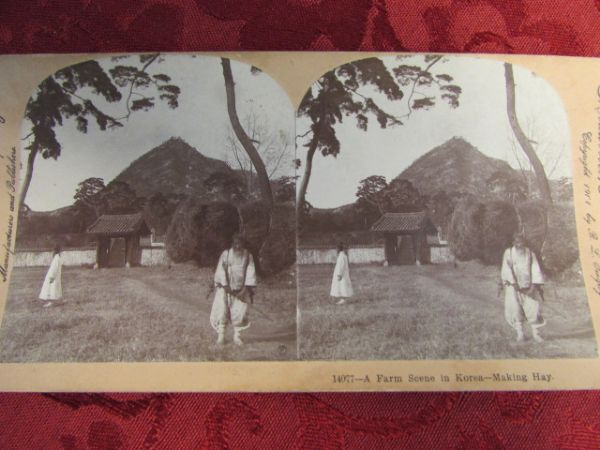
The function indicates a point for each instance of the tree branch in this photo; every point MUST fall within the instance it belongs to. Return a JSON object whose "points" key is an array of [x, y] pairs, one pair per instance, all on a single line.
{"points": [[113, 120], [279, 159], [144, 67], [414, 86], [538, 168], [245, 141], [304, 134]]}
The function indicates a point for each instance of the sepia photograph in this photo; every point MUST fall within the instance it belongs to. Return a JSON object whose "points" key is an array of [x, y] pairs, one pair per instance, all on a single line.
{"points": [[157, 215], [436, 214], [290, 222]]}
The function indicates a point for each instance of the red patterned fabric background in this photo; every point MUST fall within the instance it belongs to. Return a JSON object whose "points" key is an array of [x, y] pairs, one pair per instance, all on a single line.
{"points": [[562, 420]]}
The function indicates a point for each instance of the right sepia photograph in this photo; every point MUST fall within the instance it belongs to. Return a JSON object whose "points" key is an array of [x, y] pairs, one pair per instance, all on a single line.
{"points": [[436, 215]]}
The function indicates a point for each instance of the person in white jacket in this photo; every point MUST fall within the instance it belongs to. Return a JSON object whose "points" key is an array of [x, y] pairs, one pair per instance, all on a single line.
{"points": [[341, 286], [523, 280], [52, 288], [235, 284]]}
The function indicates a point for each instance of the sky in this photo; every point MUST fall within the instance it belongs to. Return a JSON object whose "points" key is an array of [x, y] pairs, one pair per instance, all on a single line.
{"points": [[201, 120], [481, 119]]}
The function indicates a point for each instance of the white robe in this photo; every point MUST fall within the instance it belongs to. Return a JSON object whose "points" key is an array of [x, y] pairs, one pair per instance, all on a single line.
{"points": [[341, 287], [227, 308], [518, 306], [52, 290]]}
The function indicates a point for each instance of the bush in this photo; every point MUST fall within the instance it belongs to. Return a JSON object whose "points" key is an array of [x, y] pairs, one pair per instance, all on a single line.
{"points": [[254, 225], [561, 249], [49, 241], [464, 232], [200, 231], [552, 233], [482, 230], [533, 223], [499, 224], [64, 220], [346, 218], [279, 249], [272, 240]]}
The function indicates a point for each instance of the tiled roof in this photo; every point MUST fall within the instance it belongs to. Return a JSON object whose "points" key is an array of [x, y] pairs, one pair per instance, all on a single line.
{"points": [[119, 224], [400, 222]]}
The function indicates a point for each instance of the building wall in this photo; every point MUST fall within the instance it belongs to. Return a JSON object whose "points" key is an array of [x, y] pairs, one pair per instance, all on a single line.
{"points": [[441, 254], [75, 257], [357, 255], [364, 255], [81, 257], [158, 256], [155, 256]]}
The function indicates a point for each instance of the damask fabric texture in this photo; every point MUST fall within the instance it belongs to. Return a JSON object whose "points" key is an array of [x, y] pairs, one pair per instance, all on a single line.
{"points": [[501, 26], [532, 420], [529, 420]]}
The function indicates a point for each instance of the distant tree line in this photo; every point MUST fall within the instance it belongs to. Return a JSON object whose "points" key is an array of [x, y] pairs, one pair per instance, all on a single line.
{"points": [[476, 226]]}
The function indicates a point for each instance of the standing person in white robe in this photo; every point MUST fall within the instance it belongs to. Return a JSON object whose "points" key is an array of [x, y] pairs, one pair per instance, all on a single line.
{"points": [[52, 287], [235, 284], [341, 286], [523, 281]]}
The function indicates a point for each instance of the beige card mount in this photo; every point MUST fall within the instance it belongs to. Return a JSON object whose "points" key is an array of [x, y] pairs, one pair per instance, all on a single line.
{"points": [[275, 221]]}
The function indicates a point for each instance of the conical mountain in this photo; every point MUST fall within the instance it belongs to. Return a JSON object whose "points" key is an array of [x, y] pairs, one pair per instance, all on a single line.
{"points": [[455, 166], [173, 167]]}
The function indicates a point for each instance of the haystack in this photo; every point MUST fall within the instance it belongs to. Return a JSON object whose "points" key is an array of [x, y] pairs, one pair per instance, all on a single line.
{"points": [[500, 222], [200, 231], [464, 232]]}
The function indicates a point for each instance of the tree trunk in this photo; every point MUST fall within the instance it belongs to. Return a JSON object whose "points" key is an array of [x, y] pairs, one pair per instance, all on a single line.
{"points": [[257, 162], [307, 172], [538, 168], [28, 176]]}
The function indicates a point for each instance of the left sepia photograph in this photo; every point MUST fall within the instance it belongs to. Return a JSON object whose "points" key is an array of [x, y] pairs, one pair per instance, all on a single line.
{"points": [[157, 215]]}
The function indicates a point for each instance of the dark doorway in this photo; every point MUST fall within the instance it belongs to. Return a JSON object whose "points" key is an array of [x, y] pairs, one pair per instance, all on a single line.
{"points": [[406, 250], [103, 252], [117, 256], [391, 249]]}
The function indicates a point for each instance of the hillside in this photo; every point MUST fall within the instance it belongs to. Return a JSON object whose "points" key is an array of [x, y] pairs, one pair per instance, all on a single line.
{"points": [[174, 167], [453, 169], [455, 166]]}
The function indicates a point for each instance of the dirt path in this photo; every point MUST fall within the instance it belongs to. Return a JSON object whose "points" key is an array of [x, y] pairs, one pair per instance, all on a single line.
{"points": [[192, 302], [264, 328], [137, 314], [433, 312], [563, 324]]}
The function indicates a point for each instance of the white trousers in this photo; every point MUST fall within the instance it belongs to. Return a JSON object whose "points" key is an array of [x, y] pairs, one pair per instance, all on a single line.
{"points": [[520, 308], [228, 309]]}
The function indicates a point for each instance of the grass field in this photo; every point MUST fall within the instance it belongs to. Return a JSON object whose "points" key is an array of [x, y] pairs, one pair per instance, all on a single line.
{"points": [[432, 312], [139, 314]]}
